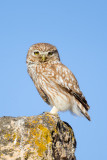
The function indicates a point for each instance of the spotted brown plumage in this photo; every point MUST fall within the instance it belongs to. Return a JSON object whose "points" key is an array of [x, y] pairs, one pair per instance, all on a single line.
{"points": [[55, 83]]}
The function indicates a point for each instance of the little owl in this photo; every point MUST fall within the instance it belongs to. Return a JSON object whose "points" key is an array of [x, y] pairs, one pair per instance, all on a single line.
{"points": [[55, 83]]}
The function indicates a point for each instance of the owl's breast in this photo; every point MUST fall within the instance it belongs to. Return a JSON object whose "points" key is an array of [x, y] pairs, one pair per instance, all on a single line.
{"points": [[44, 78], [52, 93]]}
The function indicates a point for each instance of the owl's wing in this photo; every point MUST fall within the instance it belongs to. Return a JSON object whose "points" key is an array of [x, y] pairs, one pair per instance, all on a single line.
{"points": [[65, 78]]}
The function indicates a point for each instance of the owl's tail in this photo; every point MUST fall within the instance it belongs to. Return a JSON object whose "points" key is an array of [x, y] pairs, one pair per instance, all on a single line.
{"points": [[83, 111], [80, 110]]}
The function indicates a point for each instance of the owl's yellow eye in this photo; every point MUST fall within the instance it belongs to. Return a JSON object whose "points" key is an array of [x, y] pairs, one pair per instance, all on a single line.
{"points": [[36, 53], [50, 53]]}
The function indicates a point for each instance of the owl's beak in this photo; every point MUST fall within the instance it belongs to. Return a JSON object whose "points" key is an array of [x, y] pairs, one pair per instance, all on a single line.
{"points": [[43, 57]]}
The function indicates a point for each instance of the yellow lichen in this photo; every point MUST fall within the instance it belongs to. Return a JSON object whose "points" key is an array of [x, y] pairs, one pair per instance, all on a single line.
{"points": [[17, 137], [40, 137], [7, 136]]}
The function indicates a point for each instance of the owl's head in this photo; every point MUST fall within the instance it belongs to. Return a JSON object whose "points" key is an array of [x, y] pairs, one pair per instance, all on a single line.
{"points": [[42, 53]]}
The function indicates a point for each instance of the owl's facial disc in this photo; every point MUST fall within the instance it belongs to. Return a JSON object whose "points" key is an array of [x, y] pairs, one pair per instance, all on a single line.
{"points": [[43, 56], [46, 55]]}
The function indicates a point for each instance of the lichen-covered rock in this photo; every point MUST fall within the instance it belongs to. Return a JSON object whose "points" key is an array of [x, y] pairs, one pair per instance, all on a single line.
{"points": [[43, 137]]}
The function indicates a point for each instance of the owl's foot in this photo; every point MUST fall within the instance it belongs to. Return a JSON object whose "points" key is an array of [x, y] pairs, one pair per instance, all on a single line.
{"points": [[54, 110]]}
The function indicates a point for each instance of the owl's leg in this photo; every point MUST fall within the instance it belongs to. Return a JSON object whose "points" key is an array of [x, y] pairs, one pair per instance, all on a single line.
{"points": [[54, 110]]}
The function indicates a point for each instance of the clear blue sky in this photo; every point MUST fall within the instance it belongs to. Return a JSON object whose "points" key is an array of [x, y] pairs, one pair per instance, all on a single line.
{"points": [[79, 30]]}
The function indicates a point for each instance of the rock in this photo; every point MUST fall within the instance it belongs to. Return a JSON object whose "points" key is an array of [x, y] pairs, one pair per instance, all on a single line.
{"points": [[42, 137]]}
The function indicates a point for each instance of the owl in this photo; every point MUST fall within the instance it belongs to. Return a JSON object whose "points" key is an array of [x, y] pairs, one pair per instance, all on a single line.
{"points": [[55, 83]]}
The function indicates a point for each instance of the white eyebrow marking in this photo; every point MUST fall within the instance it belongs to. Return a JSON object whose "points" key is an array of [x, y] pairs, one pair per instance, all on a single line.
{"points": [[45, 53]]}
